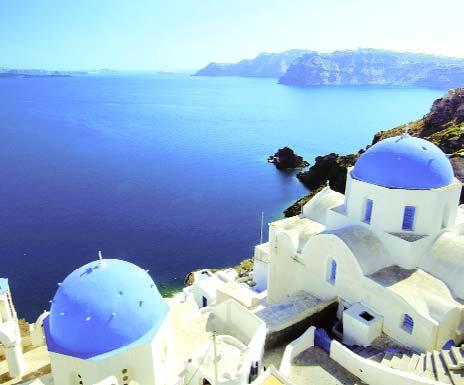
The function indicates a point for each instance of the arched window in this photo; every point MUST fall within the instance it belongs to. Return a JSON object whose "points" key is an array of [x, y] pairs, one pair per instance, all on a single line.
{"points": [[408, 218], [331, 271], [408, 323], [368, 211]]}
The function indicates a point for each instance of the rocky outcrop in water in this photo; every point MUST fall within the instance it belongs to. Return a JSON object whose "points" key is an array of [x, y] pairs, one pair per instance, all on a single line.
{"points": [[264, 65], [443, 126], [374, 67], [286, 159]]}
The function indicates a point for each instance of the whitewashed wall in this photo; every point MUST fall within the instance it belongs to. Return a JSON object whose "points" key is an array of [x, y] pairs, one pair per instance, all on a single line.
{"points": [[145, 364], [387, 214], [372, 372]]}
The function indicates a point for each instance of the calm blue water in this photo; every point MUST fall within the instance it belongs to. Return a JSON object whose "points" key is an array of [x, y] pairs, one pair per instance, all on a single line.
{"points": [[167, 171]]}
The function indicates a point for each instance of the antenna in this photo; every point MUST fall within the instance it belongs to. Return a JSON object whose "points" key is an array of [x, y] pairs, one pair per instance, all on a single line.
{"points": [[262, 224]]}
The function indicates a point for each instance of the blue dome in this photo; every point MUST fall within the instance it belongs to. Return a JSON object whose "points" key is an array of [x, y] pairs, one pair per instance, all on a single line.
{"points": [[404, 162], [103, 306]]}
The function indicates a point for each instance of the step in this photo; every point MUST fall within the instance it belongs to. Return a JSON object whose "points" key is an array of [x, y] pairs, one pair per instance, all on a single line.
{"points": [[429, 362], [386, 360], [404, 362], [457, 378], [440, 369], [420, 368], [429, 367], [413, 363], [449, 360], [457, 354], [396, 361]]}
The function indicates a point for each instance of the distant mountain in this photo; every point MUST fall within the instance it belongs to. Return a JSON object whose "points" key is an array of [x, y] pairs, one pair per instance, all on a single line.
{"points": [[33, 73], [357, 67], [371, 66], [264, 65]]}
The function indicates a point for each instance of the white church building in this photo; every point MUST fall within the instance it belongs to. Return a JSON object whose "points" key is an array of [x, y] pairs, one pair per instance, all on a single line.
{"points": [[391, 250], [109, 325]]}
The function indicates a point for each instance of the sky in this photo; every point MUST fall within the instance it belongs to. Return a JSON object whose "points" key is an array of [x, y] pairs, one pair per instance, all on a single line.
{"points": [[177, 35]]}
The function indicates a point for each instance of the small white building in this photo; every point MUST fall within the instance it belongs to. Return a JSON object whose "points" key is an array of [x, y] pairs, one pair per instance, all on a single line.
{"points": [[390, 250], [108, 325], [206, 284], [261, 267], [10, 336]]}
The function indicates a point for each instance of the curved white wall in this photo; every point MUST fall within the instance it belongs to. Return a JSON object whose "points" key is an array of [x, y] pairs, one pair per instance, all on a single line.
{"points": [[435, 209], [145, 364]]}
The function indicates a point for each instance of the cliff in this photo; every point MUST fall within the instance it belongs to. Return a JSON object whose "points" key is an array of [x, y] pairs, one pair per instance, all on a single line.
{"points": [[356, 67], [375, 67], [264, 65], [443, 126]]}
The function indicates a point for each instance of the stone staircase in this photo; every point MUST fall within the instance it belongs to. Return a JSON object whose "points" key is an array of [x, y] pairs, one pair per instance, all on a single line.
{"points": [[445, 366]]}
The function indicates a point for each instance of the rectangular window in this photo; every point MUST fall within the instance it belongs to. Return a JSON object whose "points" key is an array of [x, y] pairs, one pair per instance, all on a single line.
{"points": [[365, 315], [332, 271], [368, 211], [408, 323], [408, 217]]}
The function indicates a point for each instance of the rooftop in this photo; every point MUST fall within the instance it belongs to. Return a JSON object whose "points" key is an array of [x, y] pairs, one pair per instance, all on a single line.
{"points": [[404, 162], [296, 308], [428, 295]]}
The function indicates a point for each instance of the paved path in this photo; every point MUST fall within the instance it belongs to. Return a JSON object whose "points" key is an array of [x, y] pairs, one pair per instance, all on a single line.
{"points": [[313, 366]]}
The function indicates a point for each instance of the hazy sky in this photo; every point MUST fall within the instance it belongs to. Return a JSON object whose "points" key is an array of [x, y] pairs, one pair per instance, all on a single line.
{"points": [[187, 34]]}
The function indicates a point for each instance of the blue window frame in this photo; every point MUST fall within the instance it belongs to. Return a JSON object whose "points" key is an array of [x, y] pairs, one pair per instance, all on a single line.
{"points": [[408, 323], [333, 271], [368, 210], [408, 217]]}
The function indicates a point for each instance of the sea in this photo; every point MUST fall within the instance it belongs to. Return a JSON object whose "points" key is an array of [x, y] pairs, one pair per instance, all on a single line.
{"points": [[167, 171]]}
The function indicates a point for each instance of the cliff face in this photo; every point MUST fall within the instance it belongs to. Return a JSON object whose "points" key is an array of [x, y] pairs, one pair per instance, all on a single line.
{"points": [[264, 65], [443, 126], [375, 67], [359, 67]]}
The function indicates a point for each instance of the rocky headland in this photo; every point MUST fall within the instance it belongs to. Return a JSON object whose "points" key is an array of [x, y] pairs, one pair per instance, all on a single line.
{"points": [[443, 126], [271, 65], [348, 67], [374, 67], [286, 159]]}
